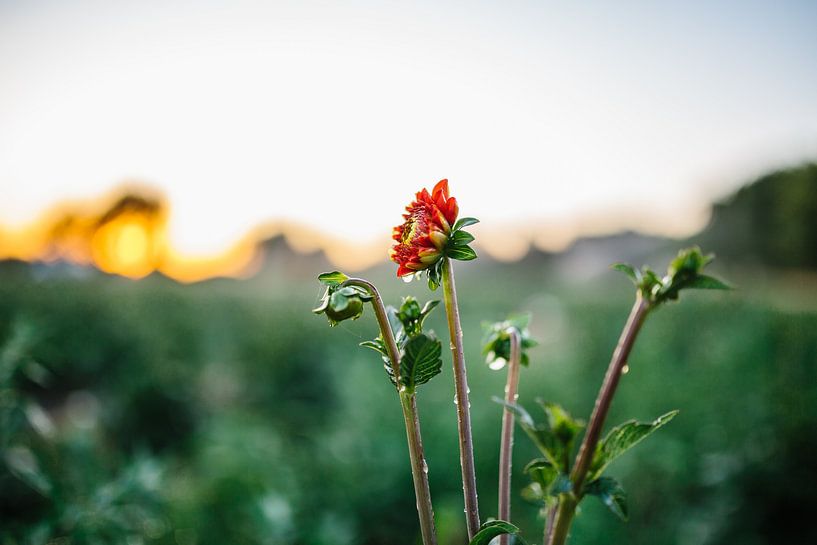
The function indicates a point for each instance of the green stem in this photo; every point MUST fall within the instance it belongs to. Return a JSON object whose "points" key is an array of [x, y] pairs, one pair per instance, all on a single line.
{"points": [[549, 521], [419, 469], [469, 479], [568, 502], [408, 402], [506, 441], [564, 517]]}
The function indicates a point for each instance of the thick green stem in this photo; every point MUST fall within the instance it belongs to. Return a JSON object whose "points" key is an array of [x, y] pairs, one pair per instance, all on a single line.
{"points": [[469, 479], [506, 441], [408, 402], [568, 502]]}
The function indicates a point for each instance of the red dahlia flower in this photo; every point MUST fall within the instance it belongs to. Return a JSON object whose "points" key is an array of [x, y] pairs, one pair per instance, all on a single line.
{"points": [[422, 238], [431, 231]]}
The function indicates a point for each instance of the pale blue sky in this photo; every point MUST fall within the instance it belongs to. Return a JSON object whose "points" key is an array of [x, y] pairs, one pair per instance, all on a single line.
{"points": [[544, 115]]}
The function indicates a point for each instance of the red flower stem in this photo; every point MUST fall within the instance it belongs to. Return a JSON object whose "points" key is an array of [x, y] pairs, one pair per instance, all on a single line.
{"points": [[568, 502], [469, 479], [408, 402], [506, 442]]}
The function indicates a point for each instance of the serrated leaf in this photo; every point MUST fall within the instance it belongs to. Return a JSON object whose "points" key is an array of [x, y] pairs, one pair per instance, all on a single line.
{"points": [[461, 238], [464, 222], [704, 282], [627, 269], [495, 528], [421, 360], [461, 253], [621, 439], [610, 492], [332, 278]]}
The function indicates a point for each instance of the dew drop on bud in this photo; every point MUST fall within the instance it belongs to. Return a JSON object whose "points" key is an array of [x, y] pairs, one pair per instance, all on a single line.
{"points": [[625, 369]]}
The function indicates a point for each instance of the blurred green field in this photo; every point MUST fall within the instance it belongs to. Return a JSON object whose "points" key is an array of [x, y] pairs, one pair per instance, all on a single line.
{"points": [[226, 413]]}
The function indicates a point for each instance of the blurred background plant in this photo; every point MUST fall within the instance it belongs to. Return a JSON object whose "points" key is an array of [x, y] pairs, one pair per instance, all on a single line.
{"points": [[223, 412]]}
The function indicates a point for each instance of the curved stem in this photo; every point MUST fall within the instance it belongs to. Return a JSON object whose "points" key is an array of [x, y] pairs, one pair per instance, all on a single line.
{"points": [[469, 479], [382, 321], [408, 402], [506, 442], [568, 502], [608, 389]]}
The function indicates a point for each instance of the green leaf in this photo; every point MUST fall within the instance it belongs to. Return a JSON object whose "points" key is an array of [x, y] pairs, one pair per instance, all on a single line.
{"points": [[562, 424], [704, 282], [629, 270], [621, 439], [461, 238], [541, 471], [411, 316], [338, 301], [377, 345], [434, 275], [428, 307], [355, 291], [421, 360], [461, 253], [332, 278], [464, 222], [610, 492], [544, 439], [496, 340], [494, 528]]}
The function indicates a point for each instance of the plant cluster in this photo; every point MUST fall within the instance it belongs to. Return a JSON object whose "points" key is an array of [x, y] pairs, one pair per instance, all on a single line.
{"points": [[574, 455]]}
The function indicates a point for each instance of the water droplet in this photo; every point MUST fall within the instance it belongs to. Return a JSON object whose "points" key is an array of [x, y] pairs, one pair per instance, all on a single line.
{"points": [[625, 369], [425, 467], [497, 364], [456, 401]]}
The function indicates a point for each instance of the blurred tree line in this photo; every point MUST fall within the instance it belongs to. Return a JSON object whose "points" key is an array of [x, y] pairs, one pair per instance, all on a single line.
{"points": [[772, 221]]}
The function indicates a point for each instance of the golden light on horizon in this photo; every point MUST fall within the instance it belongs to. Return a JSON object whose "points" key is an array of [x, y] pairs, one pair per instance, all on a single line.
{"points": [[128, 245], [126, 233]]}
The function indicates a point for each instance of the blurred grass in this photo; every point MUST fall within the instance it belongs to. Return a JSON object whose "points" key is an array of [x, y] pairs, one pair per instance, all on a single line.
{"points": [[224, 412]]}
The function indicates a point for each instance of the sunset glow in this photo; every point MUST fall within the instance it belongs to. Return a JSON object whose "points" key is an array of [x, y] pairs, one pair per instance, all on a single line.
{"points": [[550, 120]]}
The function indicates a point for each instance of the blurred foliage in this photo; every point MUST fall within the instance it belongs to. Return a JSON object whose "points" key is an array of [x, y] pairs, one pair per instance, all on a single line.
{"points": [[772, 221], [149, 412], [225, 413]]}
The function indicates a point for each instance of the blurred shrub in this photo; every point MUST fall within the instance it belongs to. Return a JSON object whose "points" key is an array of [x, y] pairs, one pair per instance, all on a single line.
{"points": [[148, 412]]}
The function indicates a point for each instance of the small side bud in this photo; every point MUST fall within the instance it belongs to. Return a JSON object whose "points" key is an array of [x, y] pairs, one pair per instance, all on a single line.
{"points": [[341, 302]]}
